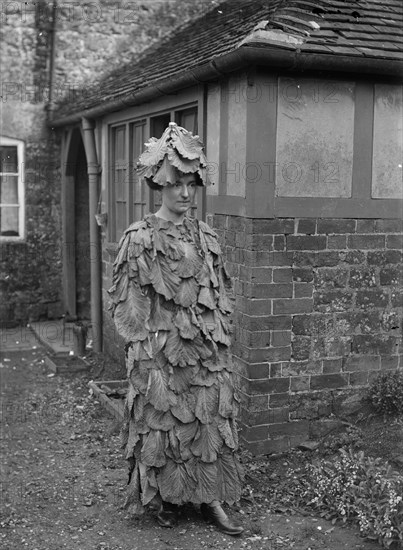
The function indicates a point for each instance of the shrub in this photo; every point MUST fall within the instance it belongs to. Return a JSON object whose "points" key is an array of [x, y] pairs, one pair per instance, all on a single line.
{"points": [[352, 437], [386, 393], [354, 487]]}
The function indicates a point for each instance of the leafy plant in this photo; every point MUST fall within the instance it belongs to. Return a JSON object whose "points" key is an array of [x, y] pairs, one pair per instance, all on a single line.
{"points": [[352, 437], [386, 393], [354, 487]]}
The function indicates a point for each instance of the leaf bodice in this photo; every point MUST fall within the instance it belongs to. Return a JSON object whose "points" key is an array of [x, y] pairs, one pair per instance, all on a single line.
{"points": [[169, 276]]}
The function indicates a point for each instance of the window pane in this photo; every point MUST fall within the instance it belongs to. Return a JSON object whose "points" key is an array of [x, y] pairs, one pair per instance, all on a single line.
{"points": [[138, 193], [8, 189], [9, 221], [159, 124], [188, 119], [8, 159]]}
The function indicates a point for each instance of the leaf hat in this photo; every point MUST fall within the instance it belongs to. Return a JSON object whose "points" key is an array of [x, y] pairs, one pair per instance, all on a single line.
{"points": [[176, 150]]}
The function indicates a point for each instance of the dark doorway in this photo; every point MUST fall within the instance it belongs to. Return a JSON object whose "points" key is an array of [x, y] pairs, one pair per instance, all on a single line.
{"points": [[77, 246]]}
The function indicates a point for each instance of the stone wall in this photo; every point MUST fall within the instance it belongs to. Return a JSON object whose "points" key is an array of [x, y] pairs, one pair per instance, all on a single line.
{"points": [[318, 315], [91, 39], [30, 272]]}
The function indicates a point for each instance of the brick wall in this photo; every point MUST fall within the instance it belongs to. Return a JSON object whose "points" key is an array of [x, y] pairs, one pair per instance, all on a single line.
{"points": [[318, 316]]}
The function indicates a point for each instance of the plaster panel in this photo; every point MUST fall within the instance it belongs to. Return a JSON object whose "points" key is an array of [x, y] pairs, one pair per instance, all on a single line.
{"points": [[388, 142], [213, 135], [315, 133], [235, 165]]}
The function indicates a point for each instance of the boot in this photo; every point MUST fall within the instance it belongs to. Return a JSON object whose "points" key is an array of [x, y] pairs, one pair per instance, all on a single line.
{"points": [[213, 513], [168, 515]]}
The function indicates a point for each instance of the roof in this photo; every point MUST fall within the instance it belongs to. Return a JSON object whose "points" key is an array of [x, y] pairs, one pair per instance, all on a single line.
{"points": [[357, 35]]}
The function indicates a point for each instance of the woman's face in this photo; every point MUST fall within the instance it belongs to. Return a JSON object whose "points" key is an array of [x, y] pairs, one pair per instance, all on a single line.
{"points": [[179, 197]]}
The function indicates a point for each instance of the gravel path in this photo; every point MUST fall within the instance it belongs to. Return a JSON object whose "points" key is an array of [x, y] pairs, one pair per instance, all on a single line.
{"points": [[63, 479]]}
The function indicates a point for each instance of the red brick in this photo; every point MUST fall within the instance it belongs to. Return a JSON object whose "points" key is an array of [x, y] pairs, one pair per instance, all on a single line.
{"points": [[257, 371], [271, 227], [281, 258], [302, 274], [295, 305], [337, 242], [274, 322], [299, 383], [327, 259], [296, 242], [259, 242], [336, 226], [256, 433], [303, 290], [301, 347], [365, 226], [272, 290], [279, 242], [389, 362], [282, 275], [257, 402], [271, 416], [307, 226], [389, 226], [328, 381], [394, 241], [253, 338], [279, 400], [276, 369], [269, 385], [261, 274], [259, 307], [297, 368], [361, 363], [280, 338], [296, 427], [331, 366], [359, 378], [366, 241]]}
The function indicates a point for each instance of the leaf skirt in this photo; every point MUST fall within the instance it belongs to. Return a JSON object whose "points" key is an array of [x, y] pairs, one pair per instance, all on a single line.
{"points": [[179, 431]]}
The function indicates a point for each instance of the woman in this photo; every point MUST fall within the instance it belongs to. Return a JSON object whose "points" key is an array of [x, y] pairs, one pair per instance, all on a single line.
{"points": [[171, 306]]}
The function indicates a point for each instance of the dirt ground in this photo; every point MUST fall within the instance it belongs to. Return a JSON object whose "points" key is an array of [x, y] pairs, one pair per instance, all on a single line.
{"points": [[63, 479]]}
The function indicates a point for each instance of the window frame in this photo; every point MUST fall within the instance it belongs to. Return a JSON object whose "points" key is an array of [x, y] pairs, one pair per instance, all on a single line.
{"points": [[20, 145]]}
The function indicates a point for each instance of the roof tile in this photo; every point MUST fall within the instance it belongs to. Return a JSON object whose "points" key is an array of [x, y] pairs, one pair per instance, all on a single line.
{"points": [[331, 27]]}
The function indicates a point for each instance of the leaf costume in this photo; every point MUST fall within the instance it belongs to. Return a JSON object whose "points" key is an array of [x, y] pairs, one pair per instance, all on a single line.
{"points": [[170, 304]]}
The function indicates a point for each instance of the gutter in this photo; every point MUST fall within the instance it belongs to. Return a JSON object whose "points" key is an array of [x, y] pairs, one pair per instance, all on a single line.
{"points": [[93, 171], [256, 52], [52, 62]]}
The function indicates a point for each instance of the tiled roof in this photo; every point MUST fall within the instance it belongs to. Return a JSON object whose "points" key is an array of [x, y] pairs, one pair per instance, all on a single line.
{"points": [[357, 30]]}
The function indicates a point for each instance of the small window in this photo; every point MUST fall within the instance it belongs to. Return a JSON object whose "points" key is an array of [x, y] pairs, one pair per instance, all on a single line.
{"points": [[11, 189], [187, 119], [119, 179]]}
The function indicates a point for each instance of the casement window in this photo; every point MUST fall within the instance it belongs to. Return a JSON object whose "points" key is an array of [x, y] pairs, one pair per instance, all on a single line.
{"points": [[130, 200], [11, 189]]}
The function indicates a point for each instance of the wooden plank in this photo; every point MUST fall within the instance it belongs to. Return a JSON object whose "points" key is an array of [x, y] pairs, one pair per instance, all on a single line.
{"points": [[229, 205], [223, 147], [363, 140], [261, 126], [289, 207]]}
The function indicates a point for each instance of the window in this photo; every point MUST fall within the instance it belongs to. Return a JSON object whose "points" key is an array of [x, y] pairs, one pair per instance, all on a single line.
{"points": [[11, 189], [129, 199]]}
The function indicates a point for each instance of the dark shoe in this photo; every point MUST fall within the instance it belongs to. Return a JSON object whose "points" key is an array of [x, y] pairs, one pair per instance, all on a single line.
{"points": [[168, 515], [215, 514]]}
